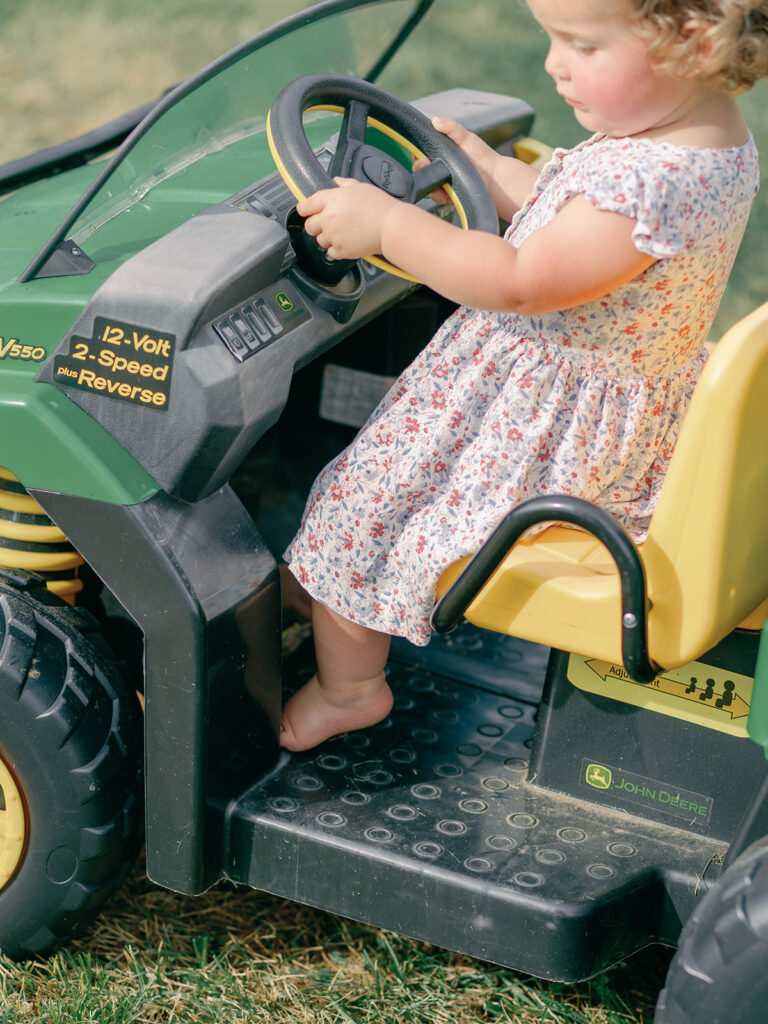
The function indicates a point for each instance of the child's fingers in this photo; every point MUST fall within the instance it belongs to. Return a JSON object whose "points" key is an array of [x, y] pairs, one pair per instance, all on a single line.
{"points": [[439, 196], [317, 202], [310, 205], [446, 126], [312, 226]]}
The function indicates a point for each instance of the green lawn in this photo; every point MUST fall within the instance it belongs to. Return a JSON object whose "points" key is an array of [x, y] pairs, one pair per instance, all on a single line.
{"points": [[241, 956]]}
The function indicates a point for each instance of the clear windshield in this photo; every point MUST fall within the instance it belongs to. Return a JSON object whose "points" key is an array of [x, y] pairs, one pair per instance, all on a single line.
{"points": [[205, 142]]}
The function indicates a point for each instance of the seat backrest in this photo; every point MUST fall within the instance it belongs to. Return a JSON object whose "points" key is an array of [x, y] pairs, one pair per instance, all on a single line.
{"points": [[707, 547]]}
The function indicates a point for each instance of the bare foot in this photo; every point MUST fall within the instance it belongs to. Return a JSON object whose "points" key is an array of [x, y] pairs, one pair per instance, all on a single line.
{"points": [[314, 714], [294, 596]]}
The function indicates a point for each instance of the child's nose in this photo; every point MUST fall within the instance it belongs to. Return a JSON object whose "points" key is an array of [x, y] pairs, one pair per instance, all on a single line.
{"points": [[555, 64]]}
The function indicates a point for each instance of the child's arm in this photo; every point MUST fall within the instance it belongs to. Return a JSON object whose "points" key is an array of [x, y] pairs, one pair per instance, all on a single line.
{"points": [[508, 180], [582, 254]]}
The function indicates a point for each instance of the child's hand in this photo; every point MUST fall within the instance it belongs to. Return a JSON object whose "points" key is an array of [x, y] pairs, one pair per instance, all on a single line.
{"points": [[507, 179], [347, 221], [482, 156]]}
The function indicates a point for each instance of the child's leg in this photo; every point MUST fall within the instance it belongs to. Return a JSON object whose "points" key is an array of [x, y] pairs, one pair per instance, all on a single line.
{"points": [[349, 690]]}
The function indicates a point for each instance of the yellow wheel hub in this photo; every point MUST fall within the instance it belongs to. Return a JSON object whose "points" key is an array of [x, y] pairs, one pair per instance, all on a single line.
{"points": [[12, 826]]}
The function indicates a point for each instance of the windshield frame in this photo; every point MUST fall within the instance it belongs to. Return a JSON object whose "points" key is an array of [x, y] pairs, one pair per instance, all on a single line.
{"points": [[285, 27]]}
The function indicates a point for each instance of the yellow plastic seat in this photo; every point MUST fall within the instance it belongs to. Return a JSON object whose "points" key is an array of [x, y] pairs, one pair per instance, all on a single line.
{"points": [[706, 554]]}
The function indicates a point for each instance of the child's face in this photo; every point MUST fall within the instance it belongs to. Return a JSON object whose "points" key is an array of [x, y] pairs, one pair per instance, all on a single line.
{"points": [[598, 59]]}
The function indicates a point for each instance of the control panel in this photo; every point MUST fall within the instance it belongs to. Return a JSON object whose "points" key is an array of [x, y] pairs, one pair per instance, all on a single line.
{"points": [[250, 327]]}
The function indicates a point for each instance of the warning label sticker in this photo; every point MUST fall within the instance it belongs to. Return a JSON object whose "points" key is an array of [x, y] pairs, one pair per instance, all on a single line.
{"points": [[122, 361]]}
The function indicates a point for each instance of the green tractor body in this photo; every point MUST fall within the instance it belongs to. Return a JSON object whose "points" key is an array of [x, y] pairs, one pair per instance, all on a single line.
{"points": [[172, 376]]}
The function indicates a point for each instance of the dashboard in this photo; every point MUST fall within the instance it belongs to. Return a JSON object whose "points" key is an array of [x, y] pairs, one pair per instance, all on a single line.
{"points": [[185, 355]]}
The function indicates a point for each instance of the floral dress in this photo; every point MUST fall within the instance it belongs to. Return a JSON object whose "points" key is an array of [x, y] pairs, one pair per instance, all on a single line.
{"points": [[500, 408]]}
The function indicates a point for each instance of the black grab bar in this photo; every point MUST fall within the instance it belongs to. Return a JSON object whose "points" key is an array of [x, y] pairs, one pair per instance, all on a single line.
{"points": [[449, 610]]}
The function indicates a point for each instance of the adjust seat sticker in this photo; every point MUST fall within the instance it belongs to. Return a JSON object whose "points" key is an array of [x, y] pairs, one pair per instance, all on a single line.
{"points": [[121, 360], [697, 692]]}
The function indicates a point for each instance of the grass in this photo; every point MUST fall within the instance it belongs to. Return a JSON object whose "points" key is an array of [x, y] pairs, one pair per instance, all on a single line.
{"points": [[241, 956], [93, 60], [236, 956]]}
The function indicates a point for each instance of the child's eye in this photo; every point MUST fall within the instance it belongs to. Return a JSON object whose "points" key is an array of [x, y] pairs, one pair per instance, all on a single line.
{"points": [[583, 46]]}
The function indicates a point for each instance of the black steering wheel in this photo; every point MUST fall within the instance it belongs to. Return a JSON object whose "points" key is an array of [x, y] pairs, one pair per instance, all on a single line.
{"points": [[363, 104]]}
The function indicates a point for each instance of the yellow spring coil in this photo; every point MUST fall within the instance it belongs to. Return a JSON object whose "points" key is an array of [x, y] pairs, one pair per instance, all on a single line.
{"points": [[29, 540]]}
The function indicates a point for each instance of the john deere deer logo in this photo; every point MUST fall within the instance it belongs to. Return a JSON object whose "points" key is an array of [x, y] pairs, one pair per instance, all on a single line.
{"points": [[598, 776]]}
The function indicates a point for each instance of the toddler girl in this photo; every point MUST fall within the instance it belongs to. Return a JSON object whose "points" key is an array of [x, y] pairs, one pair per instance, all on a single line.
{"points": [[569, 366]]}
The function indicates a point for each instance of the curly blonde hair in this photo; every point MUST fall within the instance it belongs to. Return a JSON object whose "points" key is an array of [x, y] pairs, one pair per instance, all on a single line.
{"points": [[725, 40]]}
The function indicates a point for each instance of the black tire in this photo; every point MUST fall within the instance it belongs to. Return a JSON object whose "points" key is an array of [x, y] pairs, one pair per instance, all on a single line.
{"points": [[718, 975], [70, 754]]}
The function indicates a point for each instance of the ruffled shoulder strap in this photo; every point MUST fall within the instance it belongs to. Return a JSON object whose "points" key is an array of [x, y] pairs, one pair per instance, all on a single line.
{"points": [[665, 188]]}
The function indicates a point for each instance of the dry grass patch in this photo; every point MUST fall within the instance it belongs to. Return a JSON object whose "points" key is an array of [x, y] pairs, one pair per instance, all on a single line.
{"points": [[235, 955]]}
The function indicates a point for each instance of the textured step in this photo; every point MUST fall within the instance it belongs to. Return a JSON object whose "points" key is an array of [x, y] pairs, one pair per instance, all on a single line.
{"points": [[428, 825]]}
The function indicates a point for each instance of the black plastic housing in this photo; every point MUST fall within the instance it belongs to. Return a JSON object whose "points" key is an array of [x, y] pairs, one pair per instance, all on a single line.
{"points": [[199, 582]]}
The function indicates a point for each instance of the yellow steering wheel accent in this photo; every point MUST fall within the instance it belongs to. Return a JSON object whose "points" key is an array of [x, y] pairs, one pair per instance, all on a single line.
{"points": [[415, 152], [12, 826]]}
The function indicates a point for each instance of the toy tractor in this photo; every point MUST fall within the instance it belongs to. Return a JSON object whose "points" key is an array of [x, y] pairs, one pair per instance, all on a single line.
{"points": [[575, 766]]}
